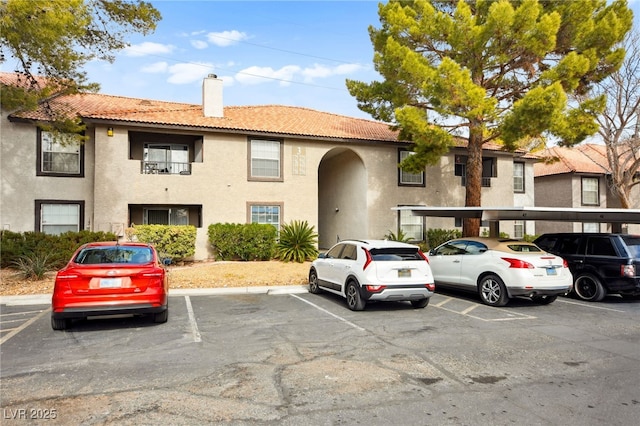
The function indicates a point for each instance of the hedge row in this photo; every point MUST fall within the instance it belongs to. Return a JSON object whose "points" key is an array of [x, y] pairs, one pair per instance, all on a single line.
{"points": [[56, 248], [235, 241]]}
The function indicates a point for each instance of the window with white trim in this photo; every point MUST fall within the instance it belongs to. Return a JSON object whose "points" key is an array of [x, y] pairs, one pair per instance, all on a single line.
{"points": [[59, 154], [518, 177], [265, 214], [166, 159], [408, 178], [590, 227], [58, 217], [518, 229], [590, 191], [265, 159], [412, 226]]}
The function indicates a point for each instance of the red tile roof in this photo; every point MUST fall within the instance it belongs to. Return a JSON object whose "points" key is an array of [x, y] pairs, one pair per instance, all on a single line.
{"points": [[588, 158], [270, 119]]}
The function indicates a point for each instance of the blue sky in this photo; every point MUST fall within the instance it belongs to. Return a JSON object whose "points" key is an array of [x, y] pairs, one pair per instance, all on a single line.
{"points": [[267, 52]]}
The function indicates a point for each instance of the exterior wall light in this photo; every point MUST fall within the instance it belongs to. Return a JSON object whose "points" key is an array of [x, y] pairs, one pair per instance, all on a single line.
{"points": [[110, 131]]}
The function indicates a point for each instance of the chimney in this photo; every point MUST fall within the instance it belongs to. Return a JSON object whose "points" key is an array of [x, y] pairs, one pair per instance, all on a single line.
{"points": [[212, 96]]}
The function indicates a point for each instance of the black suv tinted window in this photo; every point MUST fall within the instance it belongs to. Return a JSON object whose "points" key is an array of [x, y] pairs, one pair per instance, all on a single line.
{"points": [[633, 244], [600, 246], [569, 244]]}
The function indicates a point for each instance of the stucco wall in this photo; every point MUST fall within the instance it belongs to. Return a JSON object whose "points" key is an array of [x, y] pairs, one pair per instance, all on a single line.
{"points": [[21, 186]]}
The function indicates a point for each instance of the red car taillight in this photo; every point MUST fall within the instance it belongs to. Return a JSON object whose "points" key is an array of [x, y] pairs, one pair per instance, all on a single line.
{"points": [[375, 288], [422, 255], [368, 260], [517, 263], [628, 270]]}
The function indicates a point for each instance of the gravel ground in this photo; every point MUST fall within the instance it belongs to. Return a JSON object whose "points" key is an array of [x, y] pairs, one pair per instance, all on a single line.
{"points": [[196, 275]]}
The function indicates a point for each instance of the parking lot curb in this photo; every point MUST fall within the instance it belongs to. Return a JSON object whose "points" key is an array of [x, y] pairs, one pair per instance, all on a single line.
{"points": [[45, 299]]}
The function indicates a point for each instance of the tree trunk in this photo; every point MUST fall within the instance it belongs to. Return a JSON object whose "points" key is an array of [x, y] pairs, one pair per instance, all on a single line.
{"points": [[471, 226]]}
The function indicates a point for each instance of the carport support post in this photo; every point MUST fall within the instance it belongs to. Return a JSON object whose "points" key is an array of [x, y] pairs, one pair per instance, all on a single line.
{"points": [[494, 228]]}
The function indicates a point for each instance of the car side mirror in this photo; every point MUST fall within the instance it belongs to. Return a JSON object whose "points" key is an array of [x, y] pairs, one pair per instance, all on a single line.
{"points": [[322, 255]]}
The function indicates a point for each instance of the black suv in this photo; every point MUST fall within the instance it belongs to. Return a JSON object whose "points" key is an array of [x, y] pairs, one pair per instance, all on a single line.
{"points": [[600, 263]]}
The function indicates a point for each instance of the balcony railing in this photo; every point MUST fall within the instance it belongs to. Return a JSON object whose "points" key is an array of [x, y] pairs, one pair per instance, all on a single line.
{"points": [[164, 168]]}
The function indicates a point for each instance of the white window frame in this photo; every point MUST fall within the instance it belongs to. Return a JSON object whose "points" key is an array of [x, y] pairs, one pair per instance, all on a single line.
{"points": [[590, 195], [58, 218], [60, 154], [519, 228], [408, 178], [518, 177], [412, 226], [590, 227], [269, 214], [265, 159]]}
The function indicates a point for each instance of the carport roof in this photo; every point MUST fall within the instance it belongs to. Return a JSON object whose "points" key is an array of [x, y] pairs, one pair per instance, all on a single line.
{"points": [[558, 214]]}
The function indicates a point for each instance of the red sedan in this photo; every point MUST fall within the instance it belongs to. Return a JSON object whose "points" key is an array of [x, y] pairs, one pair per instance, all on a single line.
{"points": [[108, 278]]}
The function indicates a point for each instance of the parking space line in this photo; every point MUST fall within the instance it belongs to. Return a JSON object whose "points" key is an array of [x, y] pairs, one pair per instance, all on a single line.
{"points": [[357, 327], [469, 309], [192, 320], [590, 306], [447, 300], [23, 326], [21, 313]]}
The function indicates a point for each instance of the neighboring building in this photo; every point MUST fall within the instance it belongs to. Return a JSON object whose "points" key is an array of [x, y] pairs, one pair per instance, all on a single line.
{"points": [[148, 161], [579, 177]]}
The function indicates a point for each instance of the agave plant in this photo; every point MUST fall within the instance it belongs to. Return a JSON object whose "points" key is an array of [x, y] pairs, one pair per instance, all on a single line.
{"points": [[401, 236], [33, 266], [297, 242]]}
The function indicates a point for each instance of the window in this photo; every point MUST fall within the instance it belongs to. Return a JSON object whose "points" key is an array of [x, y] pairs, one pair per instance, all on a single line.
{"points": [[590, 227], [59, 155], [166, 216], [518, 229], [166, 159], [518, 177], [57, 217], [489, 169], [590, 191], [407, 178], [265, 160], [268, 214], [411, 226]]}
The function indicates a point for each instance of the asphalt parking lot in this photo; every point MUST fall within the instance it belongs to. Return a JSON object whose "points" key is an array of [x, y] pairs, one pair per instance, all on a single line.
{"points": [[296, 358]]}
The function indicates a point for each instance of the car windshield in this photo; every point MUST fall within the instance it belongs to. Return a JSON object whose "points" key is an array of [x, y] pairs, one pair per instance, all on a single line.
{"points": [[633, 243], [113, 254], [395, 254]]}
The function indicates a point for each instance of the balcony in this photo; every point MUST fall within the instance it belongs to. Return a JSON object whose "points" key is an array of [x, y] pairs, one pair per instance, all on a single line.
{"points": [[164, 168]]}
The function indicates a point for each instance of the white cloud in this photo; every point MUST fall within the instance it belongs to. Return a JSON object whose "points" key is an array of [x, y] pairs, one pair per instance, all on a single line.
{"points": [[188, 72], [199, 44], [257, 75], [226, 38], [321, 71], [157, 67], [148, 48]]}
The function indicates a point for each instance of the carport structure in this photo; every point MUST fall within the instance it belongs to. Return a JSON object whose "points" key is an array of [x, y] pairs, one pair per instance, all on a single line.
{"points": [[494, 215]]}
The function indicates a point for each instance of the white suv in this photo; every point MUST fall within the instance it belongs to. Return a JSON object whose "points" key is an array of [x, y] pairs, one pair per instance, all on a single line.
{"points": [[373, 270]]}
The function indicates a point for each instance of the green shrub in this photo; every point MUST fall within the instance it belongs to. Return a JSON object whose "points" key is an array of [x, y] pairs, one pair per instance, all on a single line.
{"points": [[33, 266], [57, 249], [176, 242], [297, 242], [235, 241], [401, 237], [435, 237]]}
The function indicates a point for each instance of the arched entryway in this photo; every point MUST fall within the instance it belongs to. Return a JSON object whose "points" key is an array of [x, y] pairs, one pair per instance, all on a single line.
{"points": [[342, 197]]}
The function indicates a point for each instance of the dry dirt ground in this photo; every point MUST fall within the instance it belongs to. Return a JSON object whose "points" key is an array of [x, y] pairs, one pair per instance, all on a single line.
{"points": [[196, 275]]}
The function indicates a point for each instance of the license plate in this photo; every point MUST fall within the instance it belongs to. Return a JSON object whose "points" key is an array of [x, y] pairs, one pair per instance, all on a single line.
{"points": [[404, 273], [110, 282], [552, 271]]}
